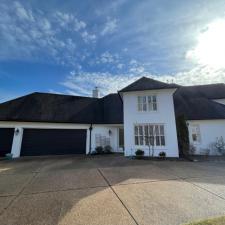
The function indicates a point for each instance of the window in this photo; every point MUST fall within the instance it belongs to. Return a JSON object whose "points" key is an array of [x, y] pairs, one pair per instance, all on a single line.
{"points": [[147, 103], [195, 134], [149, 134], [139, 138], [101, 140]]}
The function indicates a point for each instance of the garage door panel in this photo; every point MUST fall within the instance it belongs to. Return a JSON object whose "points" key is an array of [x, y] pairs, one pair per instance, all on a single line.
{"points": [[6, 139], [53, 142]]}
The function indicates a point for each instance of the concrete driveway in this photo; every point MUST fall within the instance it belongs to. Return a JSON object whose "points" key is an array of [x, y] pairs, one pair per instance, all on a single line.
{"points": [[109, 190]]}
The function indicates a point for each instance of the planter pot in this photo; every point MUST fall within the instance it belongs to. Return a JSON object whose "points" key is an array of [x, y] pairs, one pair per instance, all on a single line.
{"points": [[9, 156], [139, 157]]}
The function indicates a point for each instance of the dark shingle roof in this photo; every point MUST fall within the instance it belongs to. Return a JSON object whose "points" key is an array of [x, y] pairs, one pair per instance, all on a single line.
{"points": [[112, 109], [210, 91], [145, 83], [193, 101], [45, 107], [196, 104]]}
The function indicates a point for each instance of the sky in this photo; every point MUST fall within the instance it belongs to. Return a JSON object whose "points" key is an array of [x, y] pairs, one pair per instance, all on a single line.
{"points": [[69, 47]]}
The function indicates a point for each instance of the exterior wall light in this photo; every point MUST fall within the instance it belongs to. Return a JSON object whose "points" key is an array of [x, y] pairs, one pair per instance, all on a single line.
{"points": [[17, 131], [110, 132]]}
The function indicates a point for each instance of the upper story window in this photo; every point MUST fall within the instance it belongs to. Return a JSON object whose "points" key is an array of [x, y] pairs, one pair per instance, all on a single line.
{"points": [[147, 103]]}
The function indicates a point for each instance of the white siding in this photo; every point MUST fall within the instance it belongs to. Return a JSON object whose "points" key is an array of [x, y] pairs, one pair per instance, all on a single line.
{"points": [[103, 130], [164, 115], [210, 130]]}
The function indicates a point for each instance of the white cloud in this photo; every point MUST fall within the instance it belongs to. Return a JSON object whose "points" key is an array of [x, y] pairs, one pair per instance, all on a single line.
{"points": [[70, 22], [106, 57], [137, 69], [133, 62], [110, 26], [120, 66], [22, 13], [88, 37], [83, 82], [29, 34]]}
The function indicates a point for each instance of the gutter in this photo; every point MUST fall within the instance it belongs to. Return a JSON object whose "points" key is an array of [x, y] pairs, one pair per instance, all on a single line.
{"points": [[120, 96], [90, 129]]}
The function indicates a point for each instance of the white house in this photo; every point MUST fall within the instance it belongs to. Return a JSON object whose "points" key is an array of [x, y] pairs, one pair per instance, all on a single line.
{"points": [[140, 116]]}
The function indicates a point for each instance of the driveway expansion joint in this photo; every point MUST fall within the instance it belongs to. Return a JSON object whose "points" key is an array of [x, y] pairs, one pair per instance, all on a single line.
{"points": [[63, 190], [186, 180], [19, 193], [123, 204]]}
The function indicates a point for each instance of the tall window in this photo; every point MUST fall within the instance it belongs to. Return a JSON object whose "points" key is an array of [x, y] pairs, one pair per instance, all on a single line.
{"points": [[195, 134], [149, 134], [147, 103]]}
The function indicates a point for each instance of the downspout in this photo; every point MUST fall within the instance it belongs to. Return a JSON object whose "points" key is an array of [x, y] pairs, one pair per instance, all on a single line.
{"points": [[90, 129]]}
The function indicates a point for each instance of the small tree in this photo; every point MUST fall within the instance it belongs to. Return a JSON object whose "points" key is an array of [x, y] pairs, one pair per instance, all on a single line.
{"points": [[182, 136], [220, 145]]}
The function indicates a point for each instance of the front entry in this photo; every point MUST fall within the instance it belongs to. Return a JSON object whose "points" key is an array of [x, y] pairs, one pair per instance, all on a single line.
{"points": [[121, 139]]}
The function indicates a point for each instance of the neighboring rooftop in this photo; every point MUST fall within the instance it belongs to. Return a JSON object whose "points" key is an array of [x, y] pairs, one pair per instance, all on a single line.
{"points": [[145, 83]]}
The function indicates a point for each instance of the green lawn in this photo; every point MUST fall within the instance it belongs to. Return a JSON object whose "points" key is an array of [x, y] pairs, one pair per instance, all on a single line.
{"points": [[215, 221]]}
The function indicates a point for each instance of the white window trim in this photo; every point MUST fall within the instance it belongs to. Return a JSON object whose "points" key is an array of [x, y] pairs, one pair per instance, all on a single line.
{"points": [[146, 146], [148, 111], [198, 142]]}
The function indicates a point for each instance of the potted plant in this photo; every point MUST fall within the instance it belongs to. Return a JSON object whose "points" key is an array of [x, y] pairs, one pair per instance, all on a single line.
{"points": [[162, 155], [139, 154], [9, 156], [99, 150], [107, 149]]}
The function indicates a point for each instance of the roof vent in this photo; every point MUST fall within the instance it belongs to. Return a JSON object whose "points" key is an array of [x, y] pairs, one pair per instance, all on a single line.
{"points": [[96, 93]]}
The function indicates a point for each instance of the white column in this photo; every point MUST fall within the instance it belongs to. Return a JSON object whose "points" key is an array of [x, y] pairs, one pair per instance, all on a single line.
{"points": [[17, 141], [87, 141]]}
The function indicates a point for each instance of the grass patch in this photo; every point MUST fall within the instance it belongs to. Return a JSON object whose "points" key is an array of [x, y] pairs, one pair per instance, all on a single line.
{"points": [[214, 221]]}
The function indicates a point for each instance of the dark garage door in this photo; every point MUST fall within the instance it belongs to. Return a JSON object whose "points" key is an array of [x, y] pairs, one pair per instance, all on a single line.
{"points": [[6, 139], [53, 142]]}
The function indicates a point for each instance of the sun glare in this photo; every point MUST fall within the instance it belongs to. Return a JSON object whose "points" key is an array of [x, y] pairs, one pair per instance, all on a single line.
{"points": [[210, 49]]}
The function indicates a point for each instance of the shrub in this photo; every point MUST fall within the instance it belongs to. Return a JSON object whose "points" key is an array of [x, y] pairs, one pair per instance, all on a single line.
{"points": [[94, 153], [192, 149], [107, 149], [139, 152], [182, 135], [219, 145], [99, 149], [162, 154]]}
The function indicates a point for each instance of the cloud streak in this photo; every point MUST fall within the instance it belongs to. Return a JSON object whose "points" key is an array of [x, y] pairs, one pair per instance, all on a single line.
{"points": [[82, 83]]}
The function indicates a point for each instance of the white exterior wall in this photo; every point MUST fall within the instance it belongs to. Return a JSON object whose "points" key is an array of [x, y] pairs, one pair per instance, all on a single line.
{"points": [[210, 130], [104, 131], [221, 101], [164, 115]]}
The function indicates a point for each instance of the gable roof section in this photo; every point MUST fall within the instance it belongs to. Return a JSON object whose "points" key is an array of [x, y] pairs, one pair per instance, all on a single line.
{"points": [[112, 109], [45, 107], [145, 83], [195, 104]]}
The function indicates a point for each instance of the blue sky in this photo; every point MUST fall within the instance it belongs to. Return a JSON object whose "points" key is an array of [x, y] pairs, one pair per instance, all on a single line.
{"points": [[71, 47]]}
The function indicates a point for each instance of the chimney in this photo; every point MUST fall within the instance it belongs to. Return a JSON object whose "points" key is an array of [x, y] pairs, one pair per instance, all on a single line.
{"points": [[96, 93]]}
